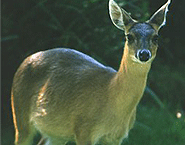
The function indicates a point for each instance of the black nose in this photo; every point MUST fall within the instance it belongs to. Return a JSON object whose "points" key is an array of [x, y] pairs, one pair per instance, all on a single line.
{"points": [[143, 55]]}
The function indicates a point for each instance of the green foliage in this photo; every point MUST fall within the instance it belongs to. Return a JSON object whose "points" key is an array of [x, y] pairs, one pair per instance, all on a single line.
{"points": [[156, 127], [171, 82]]}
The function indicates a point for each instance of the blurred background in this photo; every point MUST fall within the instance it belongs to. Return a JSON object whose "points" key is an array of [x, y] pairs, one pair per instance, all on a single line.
{"points": [[34, 25]]}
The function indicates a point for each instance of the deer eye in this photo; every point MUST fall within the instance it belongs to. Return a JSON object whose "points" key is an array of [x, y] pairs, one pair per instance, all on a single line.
{"points": [[155, 39], [130, 38]]}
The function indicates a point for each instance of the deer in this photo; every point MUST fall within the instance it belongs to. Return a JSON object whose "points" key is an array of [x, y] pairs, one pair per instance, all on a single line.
{"points": [[66, 95]]}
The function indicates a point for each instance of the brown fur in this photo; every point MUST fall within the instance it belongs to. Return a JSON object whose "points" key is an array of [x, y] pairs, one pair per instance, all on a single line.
{"points": [[68, 96]]}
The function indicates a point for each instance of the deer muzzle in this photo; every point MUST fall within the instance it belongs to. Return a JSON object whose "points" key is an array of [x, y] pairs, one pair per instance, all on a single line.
{"points": [[143, 55]]}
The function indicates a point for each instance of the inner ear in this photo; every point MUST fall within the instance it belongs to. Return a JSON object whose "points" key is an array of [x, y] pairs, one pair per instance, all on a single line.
{"points": [[120, 18], [159, 17], [116, 15]]}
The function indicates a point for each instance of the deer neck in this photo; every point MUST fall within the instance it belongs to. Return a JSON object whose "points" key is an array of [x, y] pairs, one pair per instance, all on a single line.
{"points": [[128, 84]]}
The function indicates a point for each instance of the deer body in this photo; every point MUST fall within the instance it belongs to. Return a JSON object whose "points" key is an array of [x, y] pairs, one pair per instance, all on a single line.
{"points": [[68, 96]]}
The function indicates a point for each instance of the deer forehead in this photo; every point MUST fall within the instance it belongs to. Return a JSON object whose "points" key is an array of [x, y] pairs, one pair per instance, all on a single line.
{"points": [[142, 30]]}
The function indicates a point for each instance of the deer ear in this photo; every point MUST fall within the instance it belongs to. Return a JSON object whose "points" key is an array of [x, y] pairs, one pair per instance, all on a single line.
{"points": [[159, 18], [120, 18]]}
